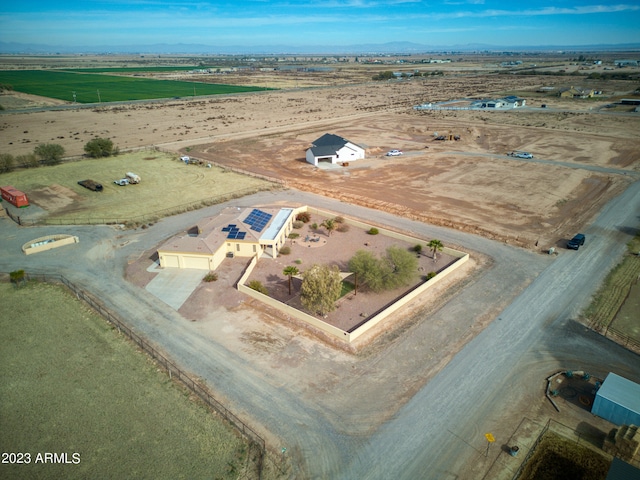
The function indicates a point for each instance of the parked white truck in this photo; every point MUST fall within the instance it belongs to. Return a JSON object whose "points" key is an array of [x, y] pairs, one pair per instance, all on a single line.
{"points": [[133, 178]]}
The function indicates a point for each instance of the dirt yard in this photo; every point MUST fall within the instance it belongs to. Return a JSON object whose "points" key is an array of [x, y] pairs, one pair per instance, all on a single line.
{"points": [[469, 184]]}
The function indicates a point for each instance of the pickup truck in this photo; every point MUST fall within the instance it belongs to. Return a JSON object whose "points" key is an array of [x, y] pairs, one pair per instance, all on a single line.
{"points": [[576, 242]]}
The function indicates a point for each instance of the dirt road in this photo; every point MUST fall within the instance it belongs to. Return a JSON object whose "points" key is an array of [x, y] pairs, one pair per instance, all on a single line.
{"points": [[381, 414]]}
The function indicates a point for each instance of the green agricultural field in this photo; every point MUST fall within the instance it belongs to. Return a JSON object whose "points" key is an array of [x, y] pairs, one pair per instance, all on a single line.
{"points": [[70, 384], [136, 69], [168, 186], [95, 88]]}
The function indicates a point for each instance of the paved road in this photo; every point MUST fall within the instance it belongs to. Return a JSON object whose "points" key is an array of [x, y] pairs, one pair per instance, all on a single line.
{"points": [[533, 336]]}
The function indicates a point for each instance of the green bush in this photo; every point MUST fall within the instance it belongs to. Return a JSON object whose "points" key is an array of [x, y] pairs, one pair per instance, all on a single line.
{"points": [[210, 277], [293, 235], [430, 275], [7, 163], [417, 248], [258, 287], [373, 231], [28, 160], [297, 261], [285, 250], [49, 153], [99, 147]]}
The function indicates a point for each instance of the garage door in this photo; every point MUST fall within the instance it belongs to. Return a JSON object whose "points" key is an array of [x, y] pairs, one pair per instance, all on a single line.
{"points": [[196, 262], [170, 261]]}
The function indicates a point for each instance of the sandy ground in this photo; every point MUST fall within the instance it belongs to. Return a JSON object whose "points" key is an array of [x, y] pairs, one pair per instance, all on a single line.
{"points": [[469, 185]]}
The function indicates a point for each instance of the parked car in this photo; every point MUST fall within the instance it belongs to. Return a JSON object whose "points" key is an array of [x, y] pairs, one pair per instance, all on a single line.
{"points": [[576, 242], [394, 153], [520, 154], [122, 182]]}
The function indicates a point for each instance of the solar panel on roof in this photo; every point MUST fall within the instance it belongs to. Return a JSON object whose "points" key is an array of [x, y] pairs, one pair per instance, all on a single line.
{"points": [[241, 235]]}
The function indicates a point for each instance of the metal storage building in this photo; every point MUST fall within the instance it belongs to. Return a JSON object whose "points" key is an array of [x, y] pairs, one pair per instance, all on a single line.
{"points": [[622, 471], [618, 401]]}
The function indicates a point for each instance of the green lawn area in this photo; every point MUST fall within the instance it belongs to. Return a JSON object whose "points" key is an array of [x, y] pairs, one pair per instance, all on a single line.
{"points": [[168, 186], [94, 88], [70, 383]]}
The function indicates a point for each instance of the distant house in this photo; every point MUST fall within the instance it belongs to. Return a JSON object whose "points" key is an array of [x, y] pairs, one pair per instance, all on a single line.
{"points": [[576, 92], [513, 102], [333, 149]]}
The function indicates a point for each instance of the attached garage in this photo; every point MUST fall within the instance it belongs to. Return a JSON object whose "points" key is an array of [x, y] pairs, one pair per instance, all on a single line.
{"points": [[196, 262], [170, 261]]}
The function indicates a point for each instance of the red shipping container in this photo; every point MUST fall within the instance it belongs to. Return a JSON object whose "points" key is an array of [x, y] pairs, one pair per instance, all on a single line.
{"points": [[14, 196]]}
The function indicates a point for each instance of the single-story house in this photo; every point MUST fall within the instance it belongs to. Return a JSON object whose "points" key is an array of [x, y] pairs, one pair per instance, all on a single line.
{"points": [[576, 92], [253, 231], [333, 149], [513, 102]]}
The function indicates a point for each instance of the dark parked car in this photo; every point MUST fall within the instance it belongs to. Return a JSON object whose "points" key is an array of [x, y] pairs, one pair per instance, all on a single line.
{"points": [[576, 242]]}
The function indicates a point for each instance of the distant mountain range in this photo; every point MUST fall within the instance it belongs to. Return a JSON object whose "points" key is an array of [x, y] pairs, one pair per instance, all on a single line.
{"points": [[12, 48]]}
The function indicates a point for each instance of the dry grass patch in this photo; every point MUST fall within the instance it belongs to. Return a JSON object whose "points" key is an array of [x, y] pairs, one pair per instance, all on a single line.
{"points": [[69, 383]]}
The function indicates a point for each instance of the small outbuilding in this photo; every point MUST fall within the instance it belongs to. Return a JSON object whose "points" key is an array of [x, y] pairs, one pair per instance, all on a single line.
{"points": [[333, 149], [618, 401]]}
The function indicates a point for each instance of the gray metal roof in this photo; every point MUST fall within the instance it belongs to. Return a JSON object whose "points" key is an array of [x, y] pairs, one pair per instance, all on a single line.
{"points": [[328, 144]]}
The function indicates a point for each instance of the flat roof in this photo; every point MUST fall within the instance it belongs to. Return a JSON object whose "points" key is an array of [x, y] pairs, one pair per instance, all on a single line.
{"points": [[276, 224]]}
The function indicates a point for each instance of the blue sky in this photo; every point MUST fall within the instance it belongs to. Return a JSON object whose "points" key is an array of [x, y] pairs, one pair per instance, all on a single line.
{"points": [[323, 22]]}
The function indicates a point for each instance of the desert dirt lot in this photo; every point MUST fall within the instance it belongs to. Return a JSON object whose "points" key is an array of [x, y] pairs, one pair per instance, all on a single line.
{"points": [[469, 184]]}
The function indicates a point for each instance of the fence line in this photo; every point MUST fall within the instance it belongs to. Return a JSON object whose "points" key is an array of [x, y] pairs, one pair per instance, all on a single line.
{"points": [[531, 451], [165, 363]]}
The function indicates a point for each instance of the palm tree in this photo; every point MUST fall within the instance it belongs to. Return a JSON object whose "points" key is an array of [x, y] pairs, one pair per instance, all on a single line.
{"points": [[290, 271], [435, 246], [329, 224]]}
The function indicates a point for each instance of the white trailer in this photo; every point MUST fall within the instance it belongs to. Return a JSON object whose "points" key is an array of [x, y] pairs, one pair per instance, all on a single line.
{"points": [[133, 178]]}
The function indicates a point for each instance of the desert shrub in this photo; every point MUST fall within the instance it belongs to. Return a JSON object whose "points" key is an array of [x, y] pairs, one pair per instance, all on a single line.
{"points": [[258, 287], [343, 227], [298, 224], [7, 163], [339, 219], [50, 153], [28, 160], [313, 226], [293, 235], [417, 248], [17, 277], [286, 250], [297, 261], [210, 277], [304, 217], [99, 147], [373, 231]]}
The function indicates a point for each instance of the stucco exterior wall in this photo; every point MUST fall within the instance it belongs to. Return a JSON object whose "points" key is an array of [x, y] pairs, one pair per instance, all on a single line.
{"points": [[43, 244]]}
